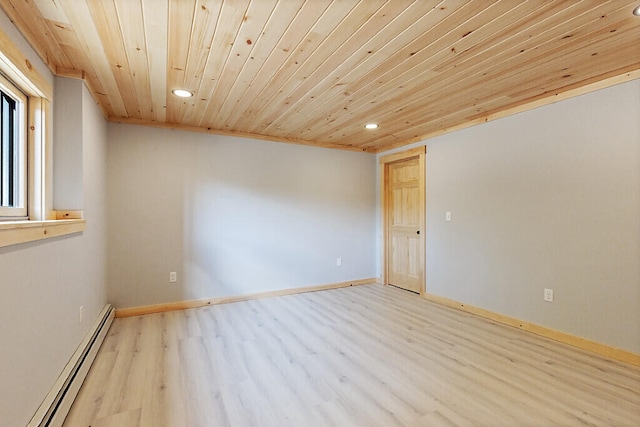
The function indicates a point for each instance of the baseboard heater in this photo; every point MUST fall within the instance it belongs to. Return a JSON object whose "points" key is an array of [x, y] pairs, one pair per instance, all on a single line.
{"points": [[55, 407]]}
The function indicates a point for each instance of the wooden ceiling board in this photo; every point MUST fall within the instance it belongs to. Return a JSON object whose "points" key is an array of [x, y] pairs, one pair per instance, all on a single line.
{"points": [[313, 103], [313, 51], [454, 90], [90, 47], [265, 45], [418, 77], [68, 41], [183, 17], [314, 71], [534, 63], [207, 54], [270, 59], [530, 20], [224, 45], [296, 45], [156, 19], [38, 33], [107, 23], [255, 17], [381, 81], [51, 11], [378, 29], [135, 48], [396, 55], [375, 54]]}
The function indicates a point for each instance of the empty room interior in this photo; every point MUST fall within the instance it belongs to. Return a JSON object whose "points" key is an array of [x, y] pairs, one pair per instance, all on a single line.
{"points": [[319, 213]]}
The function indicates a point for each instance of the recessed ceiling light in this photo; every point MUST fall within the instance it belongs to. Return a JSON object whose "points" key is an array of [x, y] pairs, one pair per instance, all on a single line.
{"points": [[371, 126], [182, 93]]}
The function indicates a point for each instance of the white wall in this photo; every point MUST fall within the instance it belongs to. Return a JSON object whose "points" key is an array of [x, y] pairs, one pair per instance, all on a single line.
{"points": [[233, 216], [549, 198], [44, 283], [68, 137]]}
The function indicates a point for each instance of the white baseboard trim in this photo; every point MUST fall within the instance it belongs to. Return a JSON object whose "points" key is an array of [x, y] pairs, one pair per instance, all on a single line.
{"points": [[182, 305], [55, 407]]}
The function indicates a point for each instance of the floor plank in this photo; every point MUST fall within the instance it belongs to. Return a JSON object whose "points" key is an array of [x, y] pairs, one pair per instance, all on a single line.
{"points": [[367, 355]]}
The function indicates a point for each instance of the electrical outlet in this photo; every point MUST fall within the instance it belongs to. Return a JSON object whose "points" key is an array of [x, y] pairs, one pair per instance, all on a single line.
{"points": [[173, 277], [80, 314], [338, 262], [548, 295]]}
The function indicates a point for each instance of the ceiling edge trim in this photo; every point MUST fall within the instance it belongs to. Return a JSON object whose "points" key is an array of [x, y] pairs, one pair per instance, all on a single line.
{"points": [[600, 82], [212, 131]]}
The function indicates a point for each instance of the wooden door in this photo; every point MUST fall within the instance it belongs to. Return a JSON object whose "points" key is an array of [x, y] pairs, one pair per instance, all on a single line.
{"points": [[405, 207]]}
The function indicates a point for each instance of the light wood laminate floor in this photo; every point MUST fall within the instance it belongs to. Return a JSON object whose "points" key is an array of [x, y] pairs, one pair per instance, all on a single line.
{"points": [[367, 355]]}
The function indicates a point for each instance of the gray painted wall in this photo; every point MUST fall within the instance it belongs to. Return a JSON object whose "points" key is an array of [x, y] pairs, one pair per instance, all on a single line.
{"points": [[549, 198], [68, 137], [44, 283], [233, 216]]}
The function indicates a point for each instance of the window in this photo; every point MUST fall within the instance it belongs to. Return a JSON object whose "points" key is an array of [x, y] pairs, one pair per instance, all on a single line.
{"points": [[13, 151], [26, 155]]}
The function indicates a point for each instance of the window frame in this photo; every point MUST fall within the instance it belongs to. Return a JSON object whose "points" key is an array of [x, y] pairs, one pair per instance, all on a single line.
{"points": [[20, 209], [43, 222]]}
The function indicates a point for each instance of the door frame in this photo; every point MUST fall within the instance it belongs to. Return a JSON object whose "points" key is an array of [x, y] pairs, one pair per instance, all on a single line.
{"points": [[385, 161]]}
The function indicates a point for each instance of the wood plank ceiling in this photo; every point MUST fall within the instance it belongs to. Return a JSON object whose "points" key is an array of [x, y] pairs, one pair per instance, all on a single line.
{"points": [[316, 71]]}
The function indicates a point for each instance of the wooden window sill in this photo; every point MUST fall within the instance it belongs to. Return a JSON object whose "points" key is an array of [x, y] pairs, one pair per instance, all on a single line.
{"points": [[16, 232]]}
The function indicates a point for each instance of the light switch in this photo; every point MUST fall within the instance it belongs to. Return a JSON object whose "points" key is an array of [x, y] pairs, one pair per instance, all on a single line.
{"points": [[447, 216]]}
